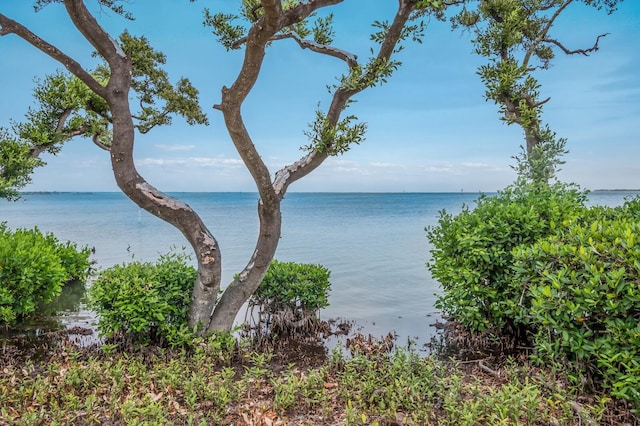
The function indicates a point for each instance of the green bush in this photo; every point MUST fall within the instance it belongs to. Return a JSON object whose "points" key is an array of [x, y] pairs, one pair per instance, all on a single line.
{"points": [[584, 286], [146, 302], [291, 294], [472, 252], [296, 285], [33, 269], [537, 262]]}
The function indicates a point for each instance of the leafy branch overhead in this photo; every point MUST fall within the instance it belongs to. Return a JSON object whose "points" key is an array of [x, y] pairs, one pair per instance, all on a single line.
{"points": [[233, 36], [328, 133], [334, 139], [16, 165], [67, 108]]}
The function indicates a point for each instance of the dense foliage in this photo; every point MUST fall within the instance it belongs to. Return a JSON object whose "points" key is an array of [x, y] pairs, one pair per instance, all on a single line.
{"points": [[33, 269], [472, 252], [296, 285], [535, 263], [146, 302], [291, 294], [584, 290]]}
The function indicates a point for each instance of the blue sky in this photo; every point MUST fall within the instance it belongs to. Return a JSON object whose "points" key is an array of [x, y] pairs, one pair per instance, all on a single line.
{"points": [[429, 127]]}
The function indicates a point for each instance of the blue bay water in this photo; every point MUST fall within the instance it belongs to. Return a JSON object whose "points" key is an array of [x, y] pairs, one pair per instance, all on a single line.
{"points": [[374, 244]]}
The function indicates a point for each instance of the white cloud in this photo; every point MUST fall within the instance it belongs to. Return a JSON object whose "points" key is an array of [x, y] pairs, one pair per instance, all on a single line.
{"points": [[345, 166], [482, 166], [475, 165], [192, 162], [172, 148], [387, 165], [438, 168]]}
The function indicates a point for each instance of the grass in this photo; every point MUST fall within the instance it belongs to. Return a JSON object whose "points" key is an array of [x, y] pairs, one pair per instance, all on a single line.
{"points": [[228, 384]]}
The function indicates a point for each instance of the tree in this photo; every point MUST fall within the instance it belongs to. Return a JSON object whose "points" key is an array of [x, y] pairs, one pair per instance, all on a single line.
{"points": [[515, 36], [262, 22], [67, 108]]}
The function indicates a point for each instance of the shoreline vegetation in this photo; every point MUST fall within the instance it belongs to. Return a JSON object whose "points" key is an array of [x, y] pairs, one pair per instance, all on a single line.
{"points": [[364, 381], [519, 356], [334, 376]]}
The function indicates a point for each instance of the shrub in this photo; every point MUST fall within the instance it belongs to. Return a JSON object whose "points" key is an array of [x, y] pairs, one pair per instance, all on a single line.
{"points": [[472, 252], [584, 286], [538, 262], [146, 302], [291, 294], [33, 269]]}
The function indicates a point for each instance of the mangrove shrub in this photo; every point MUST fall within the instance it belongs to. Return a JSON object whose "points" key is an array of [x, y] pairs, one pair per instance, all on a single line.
{"points": [[33, 269], [290, 296], [472, 252], [144, 302], [534, 262], [582, 295]]}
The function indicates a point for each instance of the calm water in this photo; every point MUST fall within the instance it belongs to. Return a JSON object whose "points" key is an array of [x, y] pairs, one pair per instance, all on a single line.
{"points": [[374, 244]]}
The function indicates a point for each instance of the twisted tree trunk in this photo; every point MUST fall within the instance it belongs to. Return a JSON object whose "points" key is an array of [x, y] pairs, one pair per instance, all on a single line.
{"points": [[270, 26]]}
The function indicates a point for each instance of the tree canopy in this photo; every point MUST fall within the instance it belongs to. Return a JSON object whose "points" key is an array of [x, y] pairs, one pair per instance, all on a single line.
{"points": [[66, 108]]}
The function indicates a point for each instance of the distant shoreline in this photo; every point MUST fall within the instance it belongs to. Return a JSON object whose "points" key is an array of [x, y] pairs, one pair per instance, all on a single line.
{"points": [[306, 192], [615, 190]]}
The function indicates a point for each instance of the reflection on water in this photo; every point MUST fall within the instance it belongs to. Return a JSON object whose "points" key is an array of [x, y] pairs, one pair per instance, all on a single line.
{"points": [[70, 300], [66, 312]]}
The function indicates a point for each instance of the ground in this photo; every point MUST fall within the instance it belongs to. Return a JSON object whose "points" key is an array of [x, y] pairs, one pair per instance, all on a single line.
{"points": [[50, 380]]}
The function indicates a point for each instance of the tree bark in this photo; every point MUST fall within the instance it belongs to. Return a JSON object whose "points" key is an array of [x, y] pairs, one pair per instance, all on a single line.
{"points": [[134, 186], [246, 283]]}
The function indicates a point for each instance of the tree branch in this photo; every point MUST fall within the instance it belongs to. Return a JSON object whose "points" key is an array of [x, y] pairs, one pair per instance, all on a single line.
{"points": [[349, 58], [61, 120], [78, 132], [93, 32], [291, 173], [304, 9], [543, 34], [584, 52], [36, 150], [233, 97], [236, 44], [260, 34], [96, 141], [294, 15], [539, 104], [9, 26]]}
